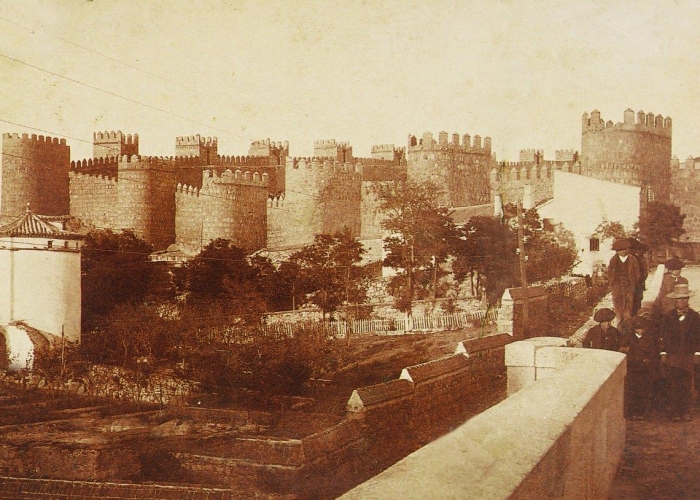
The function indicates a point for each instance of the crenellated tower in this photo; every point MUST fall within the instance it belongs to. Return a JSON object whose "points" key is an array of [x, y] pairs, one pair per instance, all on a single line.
{"points": [[206, 148], [636, 151], [460, 166], [232, 205], [113, 144], [35, 171], [276, 152], [330, 149], [388, 152], [321, 196]]}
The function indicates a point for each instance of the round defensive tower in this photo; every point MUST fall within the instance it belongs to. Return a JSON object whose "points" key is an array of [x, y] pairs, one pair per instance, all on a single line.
{"points": [[34, 170], [635, 151], [146, 199]]}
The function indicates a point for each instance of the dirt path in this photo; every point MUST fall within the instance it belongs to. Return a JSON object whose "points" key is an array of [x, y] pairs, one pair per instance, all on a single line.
{"points": [[662, 458]]}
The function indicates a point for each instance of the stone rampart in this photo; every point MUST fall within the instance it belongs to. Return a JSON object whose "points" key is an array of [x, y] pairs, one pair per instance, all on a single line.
{"points": [[34, 170], [232, 206], [561, 436], [93, 199], [685, 193], [321, 196]]}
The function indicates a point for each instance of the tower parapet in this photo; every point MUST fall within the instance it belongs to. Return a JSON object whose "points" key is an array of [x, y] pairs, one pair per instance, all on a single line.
{"points": [[330, 148], [388, 152], [206, 148], [531, 155], [112, 144], [644, 123], [461, 168], [275, 152]]}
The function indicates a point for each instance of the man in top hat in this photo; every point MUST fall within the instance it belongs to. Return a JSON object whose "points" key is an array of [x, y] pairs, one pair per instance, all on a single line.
{"points": [[680, 344], [603, 335], [672, 277], [624, 276]]}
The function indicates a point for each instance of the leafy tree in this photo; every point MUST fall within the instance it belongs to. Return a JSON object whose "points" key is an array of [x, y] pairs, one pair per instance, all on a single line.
{"points": [[420, 238], [115, 270], [610, 230], [660, 225], [550, 251], [328, 273], [486, 249], [221, 278], [130, 332]]}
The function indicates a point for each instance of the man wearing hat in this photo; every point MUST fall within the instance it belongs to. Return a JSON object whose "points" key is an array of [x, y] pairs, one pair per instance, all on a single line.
{"points": [[680, 344], [603, 335], [640, 343], [672, 277], [637, 250], [624, 276]]}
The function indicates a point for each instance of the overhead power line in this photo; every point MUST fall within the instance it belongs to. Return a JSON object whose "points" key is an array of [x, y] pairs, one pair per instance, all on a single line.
{"points": [[128, 99]]}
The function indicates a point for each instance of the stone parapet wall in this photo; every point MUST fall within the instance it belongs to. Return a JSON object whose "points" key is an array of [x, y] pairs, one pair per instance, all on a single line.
{"points": [[562, 436]]}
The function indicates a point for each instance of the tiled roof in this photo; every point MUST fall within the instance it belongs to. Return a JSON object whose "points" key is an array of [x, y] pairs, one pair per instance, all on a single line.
{"points": [[461, 215], [32, 225]]}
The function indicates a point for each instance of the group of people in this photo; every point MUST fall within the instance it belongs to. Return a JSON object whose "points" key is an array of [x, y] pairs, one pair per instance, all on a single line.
{"points": [[662, 342]]}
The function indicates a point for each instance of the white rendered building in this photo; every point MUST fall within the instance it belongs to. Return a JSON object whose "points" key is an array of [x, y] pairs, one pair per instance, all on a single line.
{"points": [[39, 280], [581, 204]]}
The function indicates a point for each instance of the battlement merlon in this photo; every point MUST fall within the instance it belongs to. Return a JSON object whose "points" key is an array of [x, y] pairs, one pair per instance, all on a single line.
{"points": [[92, 163], [657, 125], [323, 164], [238, 177], [196, 140], [271, 144], [530, 155], [565, 155], [118, 136], [325, 143], [34, 139], [427, 142]]}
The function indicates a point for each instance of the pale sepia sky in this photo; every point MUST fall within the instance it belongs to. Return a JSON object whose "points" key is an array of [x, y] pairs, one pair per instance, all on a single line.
{"points": [[367, 72]]}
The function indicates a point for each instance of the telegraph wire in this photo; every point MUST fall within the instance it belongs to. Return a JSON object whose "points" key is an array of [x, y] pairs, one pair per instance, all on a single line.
{"points": [[170, 113], [136, 68]]}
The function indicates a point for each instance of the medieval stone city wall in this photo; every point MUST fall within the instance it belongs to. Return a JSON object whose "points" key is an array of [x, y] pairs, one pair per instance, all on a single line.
{"points": [[93, 199], [635, 151], [231, 206], [685, 193], [35, 171], [460, 168], [321, 196]]}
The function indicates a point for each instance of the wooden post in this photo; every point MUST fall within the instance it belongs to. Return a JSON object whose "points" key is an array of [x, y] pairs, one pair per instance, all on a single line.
{"points": [[523, 273], [63, 350]]}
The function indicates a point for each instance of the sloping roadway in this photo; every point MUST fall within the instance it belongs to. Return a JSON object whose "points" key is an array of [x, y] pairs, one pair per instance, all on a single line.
{"points": [[662, 458]]}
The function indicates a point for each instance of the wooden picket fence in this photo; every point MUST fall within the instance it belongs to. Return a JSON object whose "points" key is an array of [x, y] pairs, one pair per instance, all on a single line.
{"points": [[341, 328]]}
